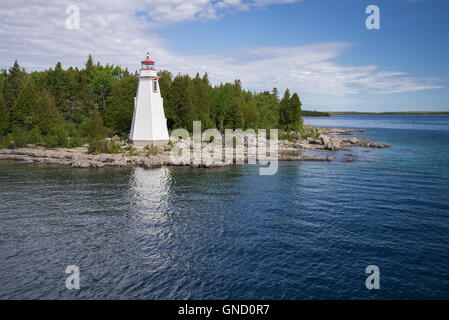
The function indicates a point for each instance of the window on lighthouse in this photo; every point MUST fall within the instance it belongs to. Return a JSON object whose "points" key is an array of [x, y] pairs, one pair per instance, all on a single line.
{"points": [[154, 85]]}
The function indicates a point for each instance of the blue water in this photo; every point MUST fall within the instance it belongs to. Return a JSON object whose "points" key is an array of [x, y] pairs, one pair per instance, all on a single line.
{"points": [[308, 232]]}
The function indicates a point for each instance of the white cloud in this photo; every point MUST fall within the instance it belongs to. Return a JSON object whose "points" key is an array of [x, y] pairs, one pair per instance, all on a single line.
{"points": [[34, 33], [170, 11]]}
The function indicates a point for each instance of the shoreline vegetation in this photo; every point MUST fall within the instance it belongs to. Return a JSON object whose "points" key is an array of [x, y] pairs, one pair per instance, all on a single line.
{"points": [[122, 154], [82, 117], [62, 108]]}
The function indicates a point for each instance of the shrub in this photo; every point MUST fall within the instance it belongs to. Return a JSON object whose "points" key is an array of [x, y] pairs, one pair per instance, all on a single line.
{"points": [[151, 150], [71, 129], [4, 142], [83, 128], [114, 147], [289, 136], [76, 142], [307, 132], [104, 146], [35, 136], [61, 135], [19, 136], [169, 146], [108, 132], [98, 146], [131, 150], [50, 141]]}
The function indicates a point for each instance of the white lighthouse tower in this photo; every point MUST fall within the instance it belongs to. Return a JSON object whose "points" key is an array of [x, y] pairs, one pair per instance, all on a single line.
{"points": [[149, 126]]}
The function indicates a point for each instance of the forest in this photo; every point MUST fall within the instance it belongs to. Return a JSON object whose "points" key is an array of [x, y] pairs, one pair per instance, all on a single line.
{"points": [[72, 107]]}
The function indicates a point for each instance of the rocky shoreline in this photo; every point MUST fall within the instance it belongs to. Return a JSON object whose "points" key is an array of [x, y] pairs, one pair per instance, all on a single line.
{"points": [[325, 139]]}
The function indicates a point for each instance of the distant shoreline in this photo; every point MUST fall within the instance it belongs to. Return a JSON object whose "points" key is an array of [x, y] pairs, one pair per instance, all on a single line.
{"points": [[308, 113], [404, 113]]}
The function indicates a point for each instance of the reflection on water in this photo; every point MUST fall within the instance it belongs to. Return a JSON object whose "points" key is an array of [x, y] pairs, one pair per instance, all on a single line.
{"points": [[149, 190]]}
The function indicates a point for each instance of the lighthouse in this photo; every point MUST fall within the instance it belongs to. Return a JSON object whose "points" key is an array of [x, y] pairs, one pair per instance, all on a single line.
{"points": [[149, 125]]}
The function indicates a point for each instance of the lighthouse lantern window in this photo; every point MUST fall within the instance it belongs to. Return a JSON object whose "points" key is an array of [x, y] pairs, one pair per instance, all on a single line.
{"points": [[147, 64], [155, 85]]}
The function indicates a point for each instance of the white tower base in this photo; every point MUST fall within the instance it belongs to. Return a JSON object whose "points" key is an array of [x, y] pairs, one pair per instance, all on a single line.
{"points": [[143, 143]]}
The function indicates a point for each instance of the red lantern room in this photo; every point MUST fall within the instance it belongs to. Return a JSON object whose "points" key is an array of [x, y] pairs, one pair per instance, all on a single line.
{"points": [[147, 64]]}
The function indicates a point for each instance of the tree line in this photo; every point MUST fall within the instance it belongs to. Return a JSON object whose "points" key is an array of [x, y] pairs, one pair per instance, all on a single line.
{"points": [[71, 107]]}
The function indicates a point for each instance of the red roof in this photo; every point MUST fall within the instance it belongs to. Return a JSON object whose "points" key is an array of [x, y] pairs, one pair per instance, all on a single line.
{"points": [[147, 60]]}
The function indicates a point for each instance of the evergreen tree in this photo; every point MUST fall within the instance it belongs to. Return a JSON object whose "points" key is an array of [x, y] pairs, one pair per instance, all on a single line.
{"points": [[180, 101], [102, 82], [223, 100], [268, 108], [275, 93], [3, 75], [251, 113], [295, 107], [284, 110], [24, 107], [86, 94], [47, 116], [201, 100], [120, 106], [89, 67], [13, 84], [235, 117], [205, 91], [165, 80], [195, 110], [4, 116], [58, 86], [95, 125]]}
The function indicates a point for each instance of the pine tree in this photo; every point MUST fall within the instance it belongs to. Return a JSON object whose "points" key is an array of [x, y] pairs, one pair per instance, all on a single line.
{"points": [[87, 95], [24, 108], [206, 101], [223, 100], [96, 128], [235, 117], [13, 84], [201, 100], [120, 106], [251, 113], [268, 107], [102, 82], [3, 75], [4, 116], [295, 107], [58, 86], [275, 92], [47, 116], [165, 80], [284, 110], [180, 102], [89, 67], [195, 109]]}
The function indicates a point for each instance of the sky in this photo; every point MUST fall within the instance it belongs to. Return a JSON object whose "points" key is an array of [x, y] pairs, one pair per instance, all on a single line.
{"points": [[318, 48]]}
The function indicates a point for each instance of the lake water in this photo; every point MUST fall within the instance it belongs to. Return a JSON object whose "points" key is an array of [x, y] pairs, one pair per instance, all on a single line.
{"points": [[179, 233]]}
